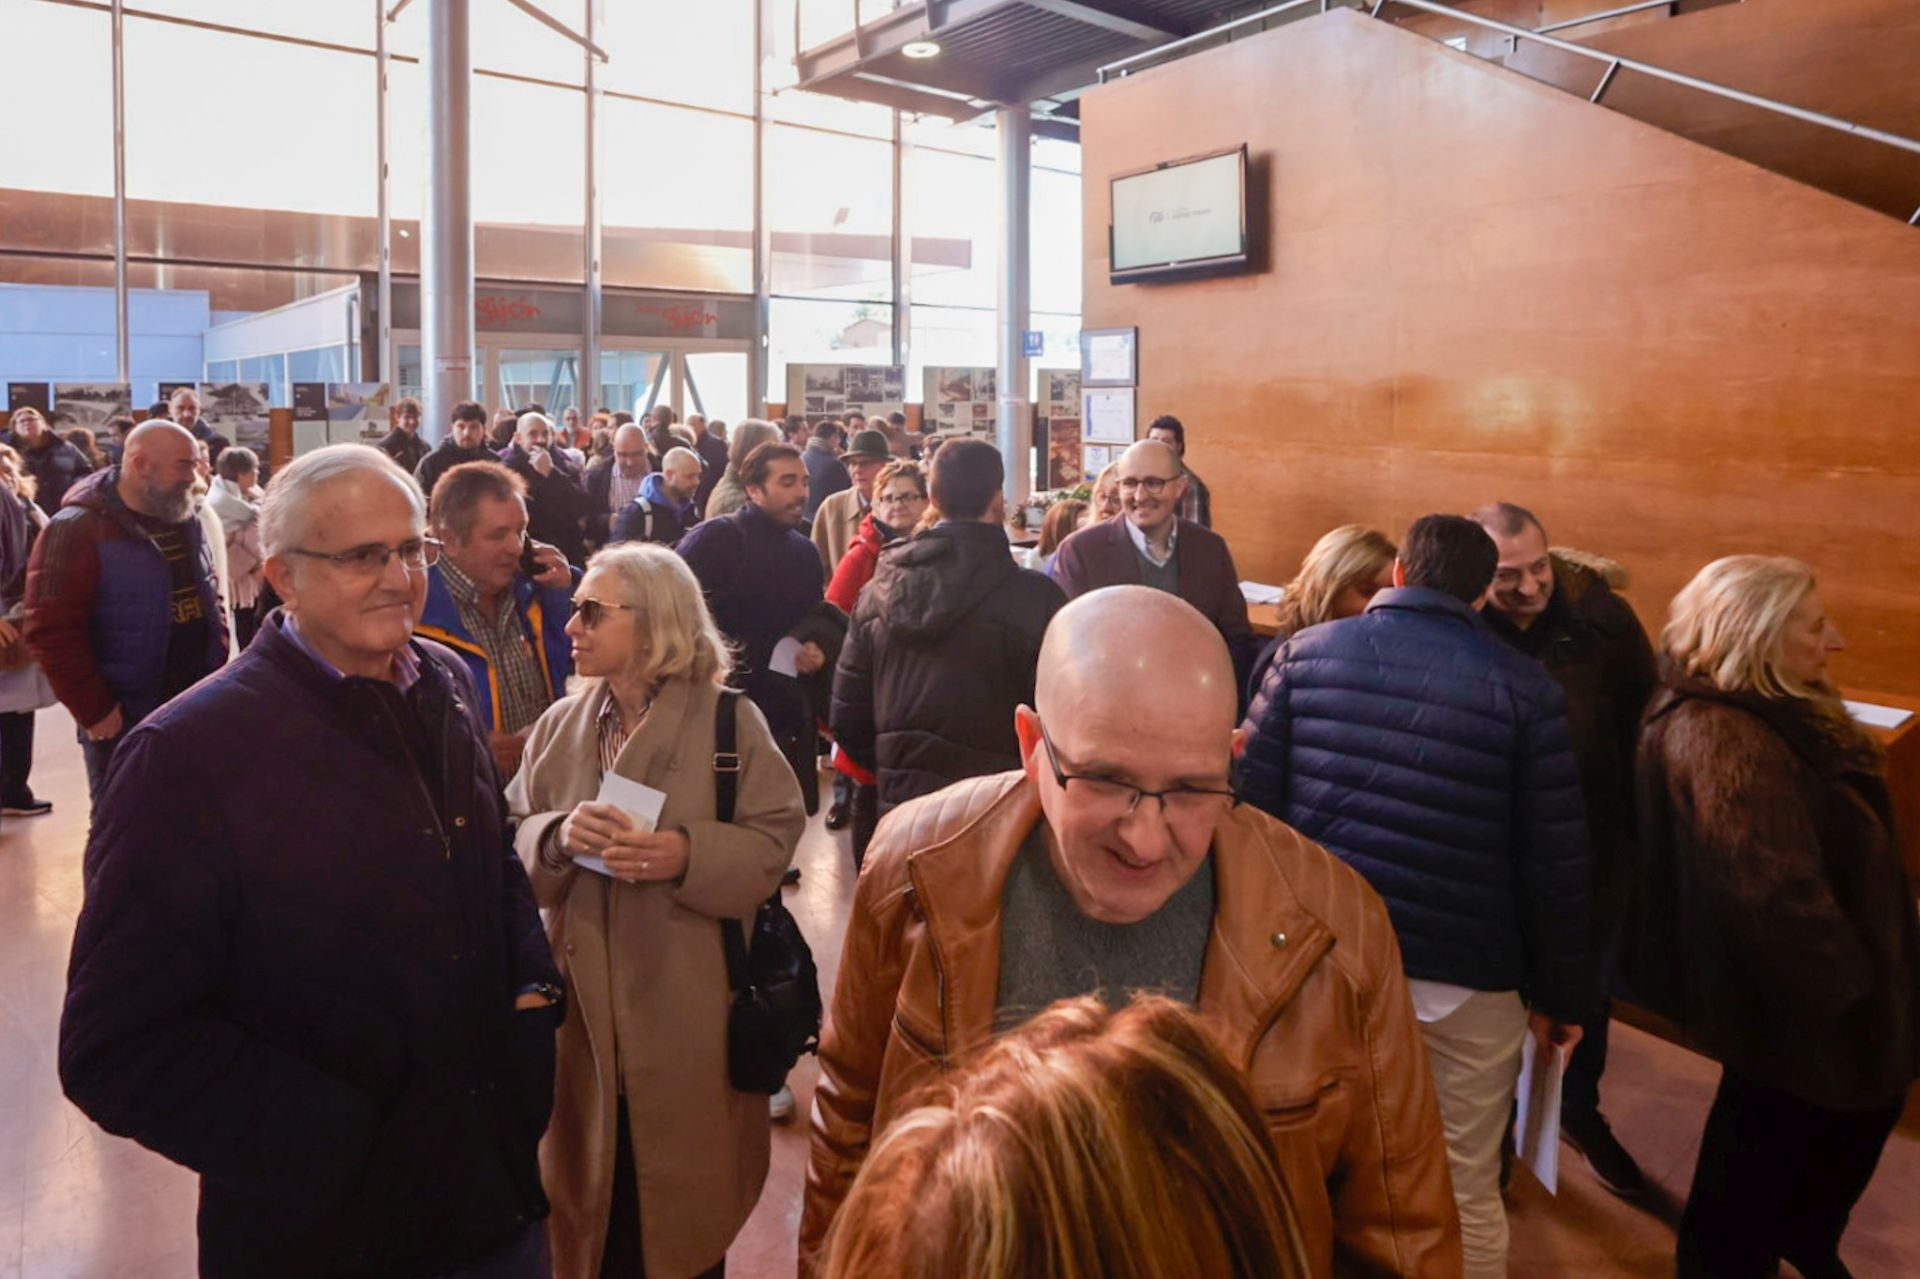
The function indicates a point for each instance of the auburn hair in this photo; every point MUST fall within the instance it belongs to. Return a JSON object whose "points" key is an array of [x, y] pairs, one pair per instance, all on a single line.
{"points": [[1087, 1144]]}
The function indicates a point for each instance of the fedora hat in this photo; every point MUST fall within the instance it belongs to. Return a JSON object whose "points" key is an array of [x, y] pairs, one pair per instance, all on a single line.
{"points": [[873, 444]]}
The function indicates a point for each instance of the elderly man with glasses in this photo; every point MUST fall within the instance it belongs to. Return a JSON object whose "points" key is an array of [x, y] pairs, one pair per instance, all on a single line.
{"points": [[1116, 859], [1153, 546], [324, 986]]}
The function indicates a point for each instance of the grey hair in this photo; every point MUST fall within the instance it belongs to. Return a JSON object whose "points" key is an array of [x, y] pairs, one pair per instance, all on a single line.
{"points": [[675, 454], [748, 435], [290, 497], [530, 419]]}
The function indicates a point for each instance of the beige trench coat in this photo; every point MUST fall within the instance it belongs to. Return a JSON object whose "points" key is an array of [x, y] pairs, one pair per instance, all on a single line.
{"points": [[647, 980]]}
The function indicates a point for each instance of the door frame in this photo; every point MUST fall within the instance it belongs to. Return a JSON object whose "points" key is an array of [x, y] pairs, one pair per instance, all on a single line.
{"points": [[488, 346]]}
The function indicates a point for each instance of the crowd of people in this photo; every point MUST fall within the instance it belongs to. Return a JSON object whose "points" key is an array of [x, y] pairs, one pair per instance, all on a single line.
{"points": [[1170, 953]]}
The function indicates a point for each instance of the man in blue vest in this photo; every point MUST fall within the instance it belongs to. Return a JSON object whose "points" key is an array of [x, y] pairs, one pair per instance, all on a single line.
{"points": [[509, 624], [122, 610]]}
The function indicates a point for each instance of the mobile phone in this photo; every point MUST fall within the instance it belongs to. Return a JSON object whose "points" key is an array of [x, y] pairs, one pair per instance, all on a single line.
{"points": [[529, 562]]}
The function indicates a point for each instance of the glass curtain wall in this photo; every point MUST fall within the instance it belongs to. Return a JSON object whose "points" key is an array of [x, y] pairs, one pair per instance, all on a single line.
{"points": [[260, 182]]}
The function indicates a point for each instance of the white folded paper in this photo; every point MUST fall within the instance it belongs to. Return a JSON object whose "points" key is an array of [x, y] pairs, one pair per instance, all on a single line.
{"points": [[640, 802], [782, 661], [1261, 593], [1874, 716], [1536, 1128]]}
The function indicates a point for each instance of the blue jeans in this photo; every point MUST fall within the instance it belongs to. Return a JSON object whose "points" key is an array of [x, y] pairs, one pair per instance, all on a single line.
{"points": [[99, 755]]}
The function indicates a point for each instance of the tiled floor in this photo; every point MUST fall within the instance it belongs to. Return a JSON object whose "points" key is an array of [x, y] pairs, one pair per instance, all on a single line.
{"points": [[76, 1203]]}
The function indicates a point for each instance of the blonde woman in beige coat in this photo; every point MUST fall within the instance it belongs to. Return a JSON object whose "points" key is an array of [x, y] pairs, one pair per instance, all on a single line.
{"points": [[653, 1161]]}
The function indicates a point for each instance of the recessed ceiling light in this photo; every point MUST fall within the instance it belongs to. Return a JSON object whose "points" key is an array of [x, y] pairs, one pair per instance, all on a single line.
{"points": [[921, 49]]}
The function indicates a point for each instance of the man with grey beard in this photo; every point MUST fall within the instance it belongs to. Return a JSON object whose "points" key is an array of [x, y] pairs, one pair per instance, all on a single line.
{"points": [[123, 611]]}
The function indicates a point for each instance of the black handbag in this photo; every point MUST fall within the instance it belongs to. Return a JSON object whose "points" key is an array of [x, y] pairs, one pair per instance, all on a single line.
{"points": [[776, 988]]}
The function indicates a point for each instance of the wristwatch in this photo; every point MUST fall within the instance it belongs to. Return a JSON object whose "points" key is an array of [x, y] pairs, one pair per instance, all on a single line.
{"points": [[556, 995]]}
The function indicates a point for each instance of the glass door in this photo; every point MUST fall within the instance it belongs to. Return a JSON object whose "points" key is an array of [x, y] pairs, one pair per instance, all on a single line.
{"points": [[716, 385], [547, 376], [635, 381]]}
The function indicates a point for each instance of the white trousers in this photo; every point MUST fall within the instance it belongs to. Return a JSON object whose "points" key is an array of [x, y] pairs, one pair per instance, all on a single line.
{"points": [[1475, 1055]]}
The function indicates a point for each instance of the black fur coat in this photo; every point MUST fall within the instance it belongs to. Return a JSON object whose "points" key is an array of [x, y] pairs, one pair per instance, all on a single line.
{"points": [[1769, 912]]}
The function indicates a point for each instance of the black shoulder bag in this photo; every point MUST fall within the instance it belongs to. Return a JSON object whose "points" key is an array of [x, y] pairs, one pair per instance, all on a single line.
{"points": [[776, 988]]}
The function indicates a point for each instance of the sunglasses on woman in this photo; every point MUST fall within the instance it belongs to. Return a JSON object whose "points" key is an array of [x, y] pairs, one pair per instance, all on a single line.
{"points": [[591, 611]]}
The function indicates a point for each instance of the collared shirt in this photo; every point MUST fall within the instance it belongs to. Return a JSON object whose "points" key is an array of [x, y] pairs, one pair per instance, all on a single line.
{"points": [[1145, 547], [621, 490], [406, 667], [614, 733], [524, 690]]}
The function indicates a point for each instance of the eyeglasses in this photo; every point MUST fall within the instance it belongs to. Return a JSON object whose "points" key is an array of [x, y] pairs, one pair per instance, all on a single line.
{"points": [[417, 555], [592, 612], [899, 499], [1118, 799], [1151, 483]]}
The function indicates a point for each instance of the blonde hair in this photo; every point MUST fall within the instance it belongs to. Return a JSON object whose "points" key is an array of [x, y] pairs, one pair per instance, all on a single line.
{"points": [[24, 482], [676, 634], [1726, 625], [1084, 1145], [1109, 478], [21, 414], [1349, 555]]}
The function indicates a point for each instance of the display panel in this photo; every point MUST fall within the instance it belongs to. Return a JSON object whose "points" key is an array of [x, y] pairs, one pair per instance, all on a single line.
{"points": [[1179, 218]]}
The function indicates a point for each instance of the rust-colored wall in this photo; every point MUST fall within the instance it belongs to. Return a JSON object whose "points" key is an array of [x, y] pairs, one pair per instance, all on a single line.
{"points": [[1479, 287], [1856, 59]]}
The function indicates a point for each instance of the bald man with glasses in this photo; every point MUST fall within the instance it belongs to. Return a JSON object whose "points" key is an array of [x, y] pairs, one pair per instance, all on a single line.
{"points": [[1149, 544], [1116, 859]]}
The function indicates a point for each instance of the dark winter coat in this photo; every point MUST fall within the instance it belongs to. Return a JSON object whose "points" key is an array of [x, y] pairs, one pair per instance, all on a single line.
{"points": [[1592, 644], [942, 648], [713, 464], [1769, 913], [556, 503], [55, 467], [406, 448], [445, 456], [1436, 761], [761, 579], [100, 605], [826, 474], [300, 982]]}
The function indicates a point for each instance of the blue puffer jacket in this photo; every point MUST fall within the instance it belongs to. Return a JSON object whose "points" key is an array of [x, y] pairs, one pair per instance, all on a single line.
{"points": [[544, 609], [1436, 761]]}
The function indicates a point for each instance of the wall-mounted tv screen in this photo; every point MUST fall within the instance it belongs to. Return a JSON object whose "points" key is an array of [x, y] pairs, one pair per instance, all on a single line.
{"points": [[1180, 218]]}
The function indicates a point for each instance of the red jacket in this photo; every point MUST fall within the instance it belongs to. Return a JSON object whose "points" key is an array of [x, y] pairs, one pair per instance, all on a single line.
{"points": [[856, 566]]}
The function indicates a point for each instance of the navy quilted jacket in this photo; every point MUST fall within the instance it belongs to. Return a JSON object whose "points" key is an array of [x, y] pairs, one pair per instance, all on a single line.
{"points": [[1423, 752]]}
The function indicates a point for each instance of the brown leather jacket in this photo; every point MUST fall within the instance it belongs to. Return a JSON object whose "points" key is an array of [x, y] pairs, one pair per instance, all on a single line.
{"points": [[1302, 982]]}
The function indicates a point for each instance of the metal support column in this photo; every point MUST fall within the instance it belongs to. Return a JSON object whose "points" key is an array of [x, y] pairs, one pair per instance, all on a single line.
{"points": [[431, 428], [1014, 424], [123, 364], [759, 355], [588, 378], [902, 257], [446, 233]]}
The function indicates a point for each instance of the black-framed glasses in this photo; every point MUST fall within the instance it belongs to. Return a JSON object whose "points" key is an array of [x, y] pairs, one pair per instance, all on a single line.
{"points": [[1153, 484], [1176, 802], [417, 555], [592, 612]]}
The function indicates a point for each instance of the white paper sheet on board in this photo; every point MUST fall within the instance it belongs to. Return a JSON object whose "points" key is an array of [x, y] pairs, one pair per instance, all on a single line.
{"points": [[1536, 1126], [638, 801], [1874, 716]]}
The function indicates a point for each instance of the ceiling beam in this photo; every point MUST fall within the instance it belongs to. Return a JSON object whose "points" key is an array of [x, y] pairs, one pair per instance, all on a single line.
{"points": [[1113, 15]]}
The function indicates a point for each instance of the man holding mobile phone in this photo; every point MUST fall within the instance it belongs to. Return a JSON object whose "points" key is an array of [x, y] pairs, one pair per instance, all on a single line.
{"points": [[556, 494], [499, 598]]}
